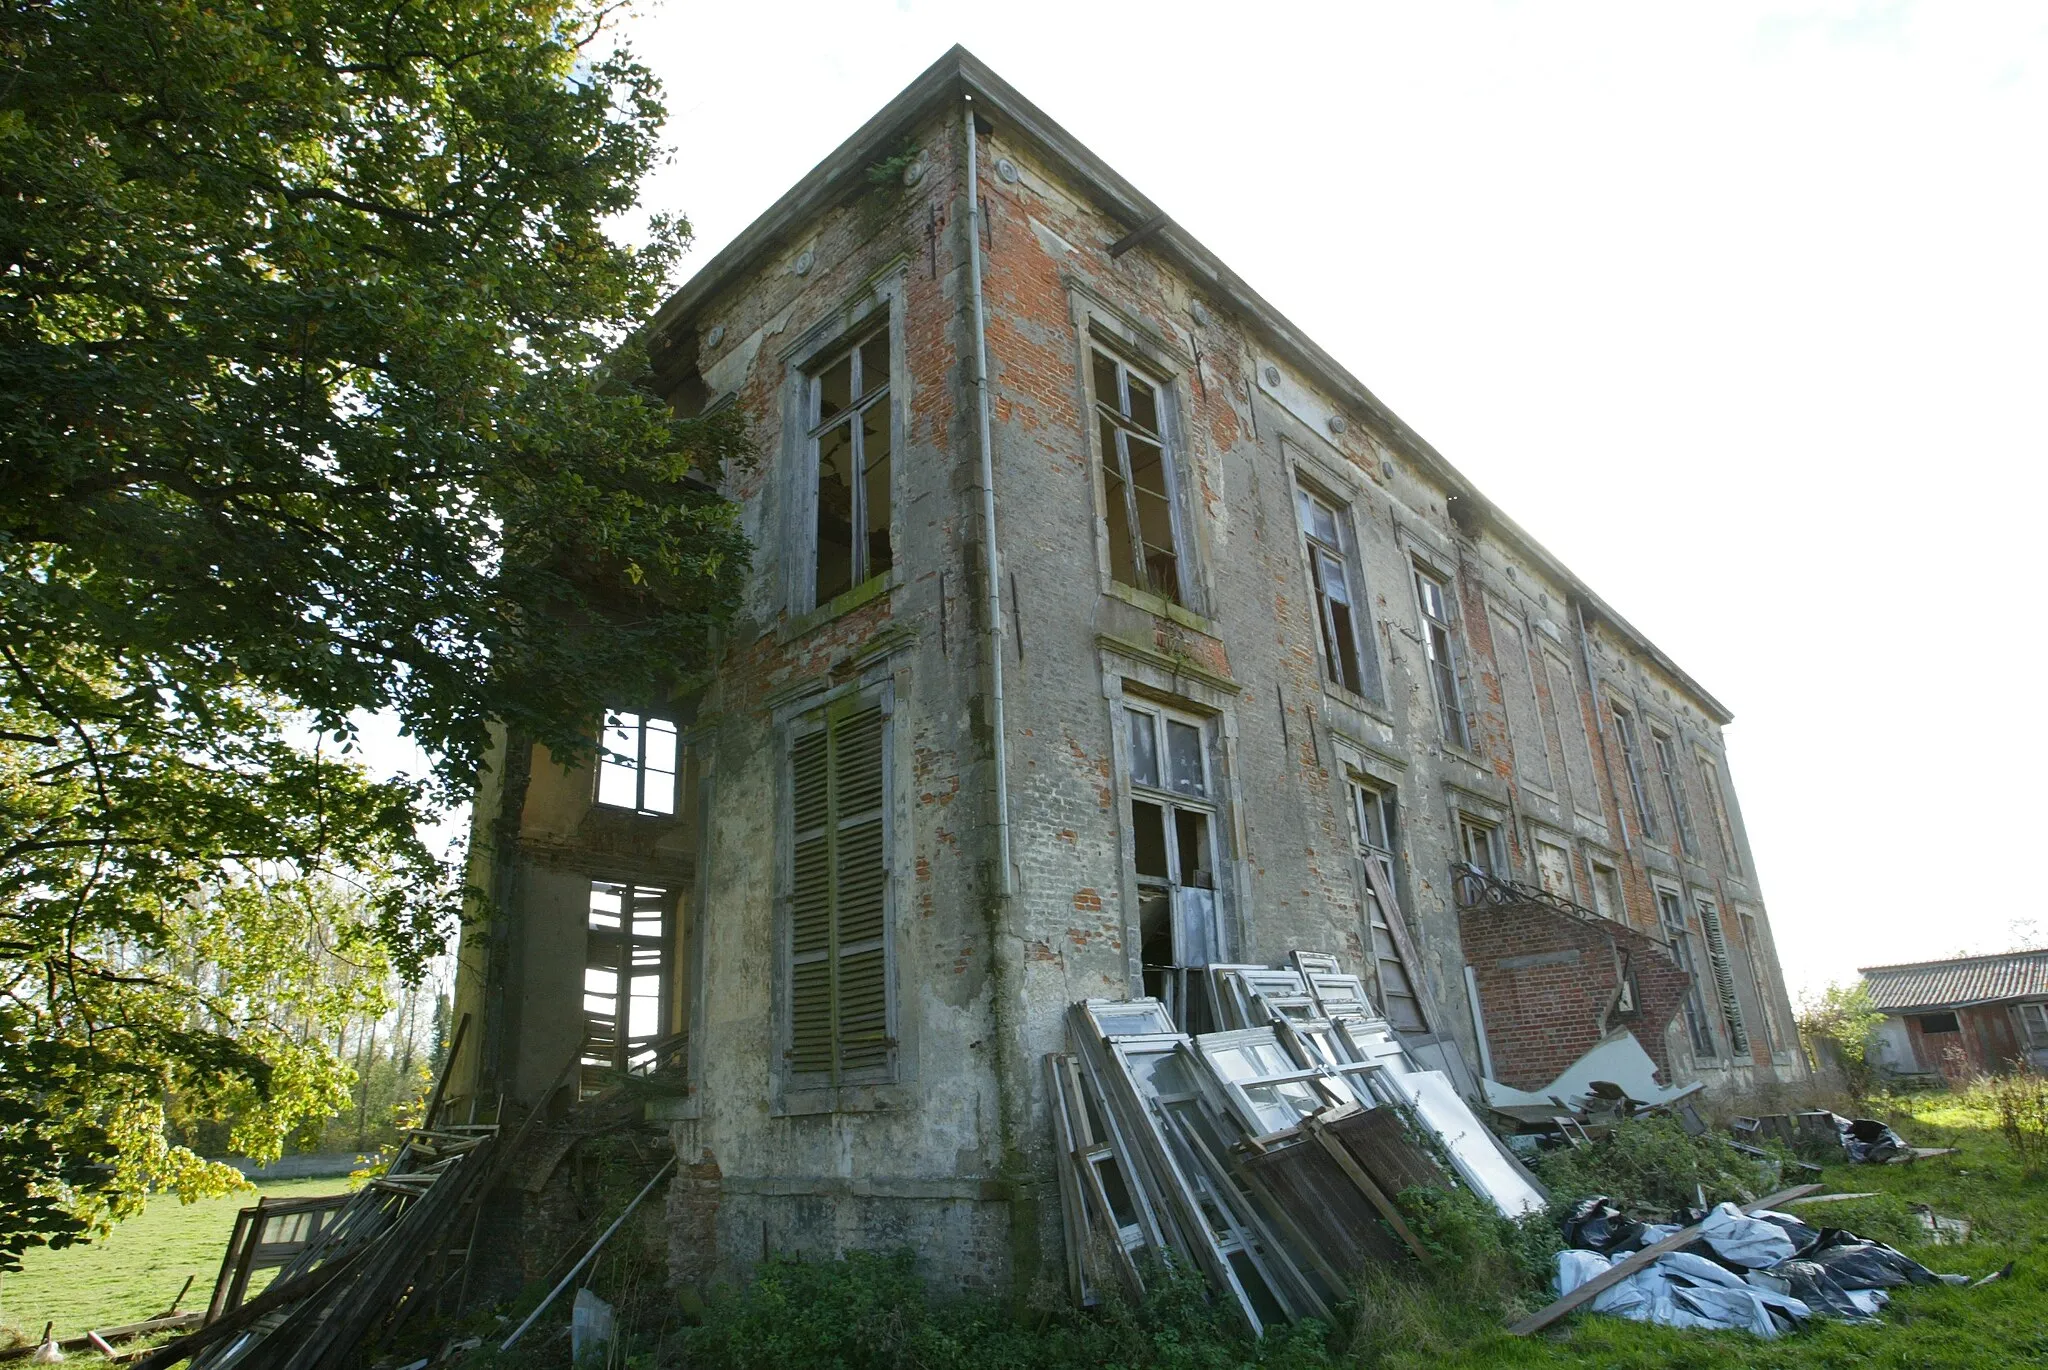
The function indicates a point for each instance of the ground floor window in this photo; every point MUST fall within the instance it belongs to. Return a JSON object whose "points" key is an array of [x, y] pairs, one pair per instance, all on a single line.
{"points": [[625, 979]]}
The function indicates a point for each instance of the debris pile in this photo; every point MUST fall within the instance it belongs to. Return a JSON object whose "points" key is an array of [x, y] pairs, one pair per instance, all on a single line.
{"points": [[1266, 1154], [1753, 1269], [1864, 1141]]}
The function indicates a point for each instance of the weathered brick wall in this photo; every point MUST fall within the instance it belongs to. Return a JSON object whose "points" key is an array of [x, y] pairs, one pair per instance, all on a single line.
{"points": [[1548, 984]]}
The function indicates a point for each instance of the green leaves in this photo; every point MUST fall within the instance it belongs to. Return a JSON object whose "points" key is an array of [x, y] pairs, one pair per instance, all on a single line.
{"points": [[318, 395]]}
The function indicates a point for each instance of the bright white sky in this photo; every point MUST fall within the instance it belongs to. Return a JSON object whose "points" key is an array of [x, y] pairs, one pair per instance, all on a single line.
{"points": [[1739, 310]]}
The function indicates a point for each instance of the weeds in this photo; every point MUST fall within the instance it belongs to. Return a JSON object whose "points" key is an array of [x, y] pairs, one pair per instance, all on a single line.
{"points": [[1655, 1163], [2020, 1102]]}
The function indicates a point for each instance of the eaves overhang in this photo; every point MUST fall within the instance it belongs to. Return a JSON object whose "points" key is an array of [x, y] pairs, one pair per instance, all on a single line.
{"points": [[960, 73]]}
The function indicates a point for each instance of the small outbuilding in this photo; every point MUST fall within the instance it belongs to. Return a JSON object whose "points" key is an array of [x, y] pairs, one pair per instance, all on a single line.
{"points": [[1967, 1015]]}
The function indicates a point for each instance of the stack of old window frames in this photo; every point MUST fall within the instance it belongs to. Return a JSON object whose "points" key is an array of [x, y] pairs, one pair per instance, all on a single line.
{"points": [[1266, 1155]]}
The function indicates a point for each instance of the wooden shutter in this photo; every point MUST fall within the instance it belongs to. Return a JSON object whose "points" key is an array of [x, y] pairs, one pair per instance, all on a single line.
{"points": [[838, 907], [1394, 957]]}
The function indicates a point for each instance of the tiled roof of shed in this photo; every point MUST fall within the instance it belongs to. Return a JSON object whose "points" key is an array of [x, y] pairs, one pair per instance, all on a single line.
{"points": [[1960, 982]]}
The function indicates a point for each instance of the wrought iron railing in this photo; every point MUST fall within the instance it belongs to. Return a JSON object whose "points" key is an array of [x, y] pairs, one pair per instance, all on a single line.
{"points": [[1473, 888]]}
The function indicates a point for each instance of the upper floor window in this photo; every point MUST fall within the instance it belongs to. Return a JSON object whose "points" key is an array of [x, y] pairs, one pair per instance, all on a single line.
{"points": [[1477, 847], [1137, 480], [1607, 897], [1674, 790], [850, 435], [1671, 912], [636, 763], [1710, 778], [1724, 974], [1439, 645], [1345, 659], [1632, 762]]}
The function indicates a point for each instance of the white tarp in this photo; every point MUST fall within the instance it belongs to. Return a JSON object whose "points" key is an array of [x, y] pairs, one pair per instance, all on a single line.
{"points": [[1617, 1059]]}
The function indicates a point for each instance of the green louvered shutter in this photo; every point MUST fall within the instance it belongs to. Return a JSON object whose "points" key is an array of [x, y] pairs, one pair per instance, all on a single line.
{"points": [[839, 981]]}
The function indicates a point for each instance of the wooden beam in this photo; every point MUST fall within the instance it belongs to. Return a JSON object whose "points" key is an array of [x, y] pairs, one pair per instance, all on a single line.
{"points": [[1621, 1270], [1149, 229]]}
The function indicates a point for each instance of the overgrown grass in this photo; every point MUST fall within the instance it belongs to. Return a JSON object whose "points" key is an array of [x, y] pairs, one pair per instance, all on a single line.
{"points": [[136, 1269]]}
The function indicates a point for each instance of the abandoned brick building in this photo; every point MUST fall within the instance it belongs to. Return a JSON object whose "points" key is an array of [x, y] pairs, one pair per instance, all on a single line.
{"points": [[1100, 627]]}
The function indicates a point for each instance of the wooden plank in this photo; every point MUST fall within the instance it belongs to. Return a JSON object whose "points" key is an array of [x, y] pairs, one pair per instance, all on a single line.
{"points": [[1621, 1270]]}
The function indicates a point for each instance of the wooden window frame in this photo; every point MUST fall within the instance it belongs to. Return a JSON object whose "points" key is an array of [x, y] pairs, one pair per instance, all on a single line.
{"points": [[1678, 936], [630, 1054], [852, 349], [1710, 781], [1440, 652], [1208, 804], [1116, 410], [1362, 678], [637, 762], [1664, 746], [1632, 764]]}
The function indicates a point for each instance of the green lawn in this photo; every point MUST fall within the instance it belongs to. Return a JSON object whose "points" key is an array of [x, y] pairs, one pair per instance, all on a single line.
{"points": [[135, 1271]]}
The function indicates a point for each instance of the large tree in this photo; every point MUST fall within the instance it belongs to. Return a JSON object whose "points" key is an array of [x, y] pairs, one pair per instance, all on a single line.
{"points": [[319, 394]]}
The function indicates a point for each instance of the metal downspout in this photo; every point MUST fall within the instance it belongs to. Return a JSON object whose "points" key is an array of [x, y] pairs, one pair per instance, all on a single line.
{"points": [[990, 575]]}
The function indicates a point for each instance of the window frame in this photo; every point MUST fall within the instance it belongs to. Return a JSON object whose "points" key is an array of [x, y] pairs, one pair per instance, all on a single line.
{"points": [[1678, 937], [861, 401], [1171, 801], [1454, 723], [1124, 426], [638, 764], [2029, 1038], [1363, 678], [1368, 794], [594, 1074], [1710, 781], [1489, 832], [1723, 965], [1624, 723], [1664, 747], [1615, 891], [1759, 979]]}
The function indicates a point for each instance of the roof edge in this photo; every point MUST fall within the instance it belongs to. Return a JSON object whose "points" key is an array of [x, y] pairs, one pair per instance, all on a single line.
{"points": [[1955, 960], [960, 72]]}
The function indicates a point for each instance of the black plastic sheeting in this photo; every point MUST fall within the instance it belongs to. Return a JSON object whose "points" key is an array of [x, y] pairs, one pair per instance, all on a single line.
{"points": [[1811, 1284], [1595, 1224], [1858, 1264]]}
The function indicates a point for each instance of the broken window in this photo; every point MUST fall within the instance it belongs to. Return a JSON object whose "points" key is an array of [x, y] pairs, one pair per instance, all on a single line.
{"points": [[1724, 975], [1554, 869], [1137, 480], [1671, 911], [625, 979], [850, 437], [1373, 825], [1607, 899], [1632, 761], [1476, 845], [1346, 656], [1674, 791], [1173, 825], [1439, 646], [1934, 1024], [1710, 777], [636, 763], [839, 1025]]}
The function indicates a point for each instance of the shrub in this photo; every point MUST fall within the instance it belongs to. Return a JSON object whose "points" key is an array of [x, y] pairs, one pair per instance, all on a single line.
{"points": [[1655, 1163]]}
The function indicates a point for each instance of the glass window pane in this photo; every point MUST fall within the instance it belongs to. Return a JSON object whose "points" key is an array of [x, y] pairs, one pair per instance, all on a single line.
{"points": [[661, 745], [1123, 556], [1144, 404], [1336, 584], [617, 784], [1184, 758], [835, 513], [1144, 748], [643, 1018], [835, 388], [874, 363], [1105, 384], [1317, 519], [875, 456], [1148, 832], [605, 906], [597, 980]]}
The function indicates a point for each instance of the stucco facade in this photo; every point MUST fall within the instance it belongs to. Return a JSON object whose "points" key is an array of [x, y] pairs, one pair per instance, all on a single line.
{"points": [[1207, 682]]}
